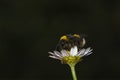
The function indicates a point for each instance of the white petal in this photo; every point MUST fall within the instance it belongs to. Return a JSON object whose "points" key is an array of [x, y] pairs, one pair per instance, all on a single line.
{"points": [[57, 54], [73, 51], [81, 52], [64, 53], [88, 51], [51, 53], [55, 57]]}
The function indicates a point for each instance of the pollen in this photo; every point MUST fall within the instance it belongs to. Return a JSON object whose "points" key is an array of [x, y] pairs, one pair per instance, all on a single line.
{"points": [[64, 38], [76, 35]]}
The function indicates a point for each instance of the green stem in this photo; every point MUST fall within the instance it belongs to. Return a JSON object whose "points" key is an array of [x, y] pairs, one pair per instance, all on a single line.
{"points": [[72, 67]]}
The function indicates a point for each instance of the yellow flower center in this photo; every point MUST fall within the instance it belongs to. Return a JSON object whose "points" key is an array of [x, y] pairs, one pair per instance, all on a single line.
{"points": [[71, 59]]}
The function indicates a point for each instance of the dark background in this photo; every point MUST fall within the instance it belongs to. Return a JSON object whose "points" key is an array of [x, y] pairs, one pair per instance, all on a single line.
{"points": [[29, 29]]}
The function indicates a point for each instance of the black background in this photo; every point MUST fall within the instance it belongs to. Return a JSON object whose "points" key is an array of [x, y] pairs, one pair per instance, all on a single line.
{"points": [[29, 29]]}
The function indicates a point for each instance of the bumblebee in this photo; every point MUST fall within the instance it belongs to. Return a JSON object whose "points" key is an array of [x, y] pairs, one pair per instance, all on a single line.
{"points": [[68, 41]]}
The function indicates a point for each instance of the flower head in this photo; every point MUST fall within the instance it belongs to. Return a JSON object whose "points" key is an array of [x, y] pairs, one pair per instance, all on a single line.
{"points": [[70, 57]]}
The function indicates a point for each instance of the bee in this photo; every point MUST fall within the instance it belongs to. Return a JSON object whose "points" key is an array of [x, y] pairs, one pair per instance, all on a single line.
{"points": [[68, 41]]}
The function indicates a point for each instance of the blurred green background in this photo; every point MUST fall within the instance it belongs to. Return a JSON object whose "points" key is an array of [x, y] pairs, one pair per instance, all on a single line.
{"points": [[29, 29]]}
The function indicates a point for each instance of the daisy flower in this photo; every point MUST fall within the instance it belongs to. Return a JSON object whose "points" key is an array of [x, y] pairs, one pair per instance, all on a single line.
{"points": [[72, 56]]}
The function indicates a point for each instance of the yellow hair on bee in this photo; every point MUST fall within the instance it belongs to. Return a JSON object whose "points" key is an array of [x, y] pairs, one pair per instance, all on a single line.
{"points": [[77, 35], [64, 38]]}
